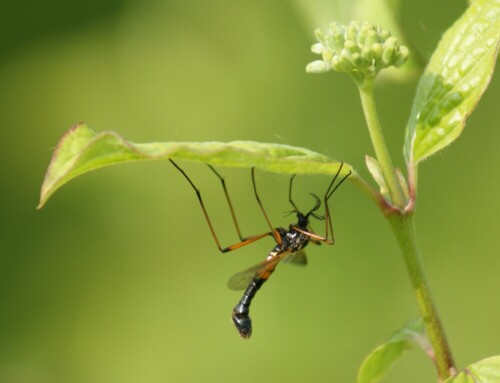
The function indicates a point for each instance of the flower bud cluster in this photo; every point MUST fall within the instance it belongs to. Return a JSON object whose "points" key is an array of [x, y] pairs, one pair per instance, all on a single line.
{"points": [[357, 47]]}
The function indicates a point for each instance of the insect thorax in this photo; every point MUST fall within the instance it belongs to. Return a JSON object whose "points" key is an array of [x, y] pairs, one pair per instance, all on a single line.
{"points": [[292, 240]]}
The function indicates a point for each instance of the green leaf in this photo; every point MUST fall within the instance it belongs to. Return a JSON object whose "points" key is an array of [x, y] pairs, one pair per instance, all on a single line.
{"points": [[374, 168], [453, 82], [378, 363], [81, 150], [376, 172], [403, 184], [484, 371]]}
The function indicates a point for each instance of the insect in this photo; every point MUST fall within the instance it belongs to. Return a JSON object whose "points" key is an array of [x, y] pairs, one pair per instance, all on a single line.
{"points": [[289, 248]]}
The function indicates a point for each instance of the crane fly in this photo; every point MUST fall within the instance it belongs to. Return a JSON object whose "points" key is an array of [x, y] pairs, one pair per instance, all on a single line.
{"points": [[289, 248]]}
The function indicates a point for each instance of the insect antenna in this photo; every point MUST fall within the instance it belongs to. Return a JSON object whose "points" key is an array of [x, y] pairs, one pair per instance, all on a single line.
{"points": [[319, 217], [316, 205]]}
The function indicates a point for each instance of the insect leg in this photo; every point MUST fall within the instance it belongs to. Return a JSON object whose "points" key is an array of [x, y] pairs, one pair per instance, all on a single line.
{"points": [[247, 241], [276, 236], [244, 242], [290, 194], [314, 237], [328, 194], [233, 215]]}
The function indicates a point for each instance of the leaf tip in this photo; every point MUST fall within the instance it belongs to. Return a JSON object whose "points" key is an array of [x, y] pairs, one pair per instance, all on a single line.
{"points": [[48, 182]]}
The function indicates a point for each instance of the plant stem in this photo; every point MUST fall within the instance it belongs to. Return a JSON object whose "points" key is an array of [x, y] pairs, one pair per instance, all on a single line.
{"points": [[401, 221], [378, 141], [369, 190], [403, 227]]}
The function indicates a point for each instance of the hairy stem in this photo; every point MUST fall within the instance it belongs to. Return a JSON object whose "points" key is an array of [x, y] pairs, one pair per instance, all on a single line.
{"points": [[377, 137], [369, 191], [401, 221], [403, 227]]}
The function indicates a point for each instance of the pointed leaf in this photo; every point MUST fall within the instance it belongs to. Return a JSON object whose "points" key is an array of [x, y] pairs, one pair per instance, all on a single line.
{"points": [[374, 168], [378, 364], [81, 150], [376, 172], [403, 184], [453, 82], [484, 371]]}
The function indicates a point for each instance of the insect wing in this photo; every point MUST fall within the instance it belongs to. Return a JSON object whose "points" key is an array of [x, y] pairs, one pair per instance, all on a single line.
{"points": [[298, 258], [241, 280]]}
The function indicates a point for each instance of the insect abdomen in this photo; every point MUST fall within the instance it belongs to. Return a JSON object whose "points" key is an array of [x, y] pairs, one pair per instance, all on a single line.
{"points": [[240, 316]]}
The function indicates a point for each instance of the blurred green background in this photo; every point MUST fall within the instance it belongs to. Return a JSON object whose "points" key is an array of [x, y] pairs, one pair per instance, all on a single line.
{"points": [[117, 279]]}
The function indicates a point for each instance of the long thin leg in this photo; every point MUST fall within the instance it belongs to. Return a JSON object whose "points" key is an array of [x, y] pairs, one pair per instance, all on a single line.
{"points": [[275, 234], [290, 193], [313, 236], [233, 215], [314, 241], [328, 194], [247, 241], [328, 220], [205, 213]]}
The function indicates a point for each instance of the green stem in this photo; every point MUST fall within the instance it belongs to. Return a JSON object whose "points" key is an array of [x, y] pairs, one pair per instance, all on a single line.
{"points": [[369, 190], [403, 227], [402, 224], [377, 137]]}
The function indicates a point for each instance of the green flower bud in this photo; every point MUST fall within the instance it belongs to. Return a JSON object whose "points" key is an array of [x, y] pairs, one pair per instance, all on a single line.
{"points": [[388, 55], [357, 47], [320, 35], [317, 48], [384, 34], [401, 56], [351, 47], [367, 55], [336, 29], [345, 55], [342, 64], [357, 60], [351, 31], [318, 66], [327, 55], [371, 38], [376, 49]]}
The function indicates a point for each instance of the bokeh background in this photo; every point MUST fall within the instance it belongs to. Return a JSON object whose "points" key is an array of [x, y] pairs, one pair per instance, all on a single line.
{"points": [[118, 280]]}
